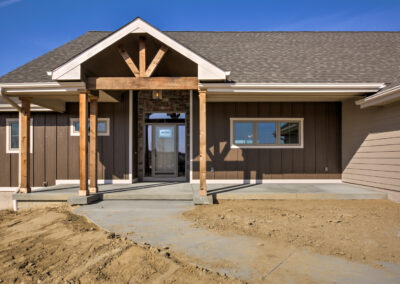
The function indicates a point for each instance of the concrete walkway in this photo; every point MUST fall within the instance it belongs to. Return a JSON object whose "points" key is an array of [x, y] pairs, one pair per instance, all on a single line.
{"points": [[159, 224]]}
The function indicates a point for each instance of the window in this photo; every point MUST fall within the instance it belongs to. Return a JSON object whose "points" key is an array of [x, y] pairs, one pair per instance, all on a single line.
{"points": [[103, 126], [267, 132], [243, 133], [12, 135], [161, 117]]}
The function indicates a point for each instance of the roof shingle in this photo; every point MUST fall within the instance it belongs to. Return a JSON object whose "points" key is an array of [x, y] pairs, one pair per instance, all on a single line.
{"points": [[263, 57]]}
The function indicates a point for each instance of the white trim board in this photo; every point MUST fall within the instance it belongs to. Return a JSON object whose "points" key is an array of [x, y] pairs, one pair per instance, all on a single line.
{"points": [[99, 181], [9, 189], [130, 138], [291, 87], [266, 181], [69, 181], [15, 188], [71, 70], [191, 138]]}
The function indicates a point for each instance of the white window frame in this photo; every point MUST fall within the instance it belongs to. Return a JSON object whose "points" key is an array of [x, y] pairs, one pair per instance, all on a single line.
{"points": [[8, 136], [102, 119], [267, 119]]}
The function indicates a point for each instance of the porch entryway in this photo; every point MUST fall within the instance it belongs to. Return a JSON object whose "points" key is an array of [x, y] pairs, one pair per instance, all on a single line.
{"points": [[187, 191], [165, 148]]}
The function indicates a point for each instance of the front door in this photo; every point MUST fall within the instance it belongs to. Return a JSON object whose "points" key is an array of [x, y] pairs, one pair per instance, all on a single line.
{"points": [[164, 152]]}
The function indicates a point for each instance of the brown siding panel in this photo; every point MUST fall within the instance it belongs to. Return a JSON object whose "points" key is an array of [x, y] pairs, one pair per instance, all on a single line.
{"points": [[321, 142], [62, 145], [107, 154], [39, 146], [51, 148], [56, 152], [371, 146]]}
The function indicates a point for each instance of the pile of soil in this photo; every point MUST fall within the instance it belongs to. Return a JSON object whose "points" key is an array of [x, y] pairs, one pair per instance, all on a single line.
{"points": [[52, 245], [366, 231]]}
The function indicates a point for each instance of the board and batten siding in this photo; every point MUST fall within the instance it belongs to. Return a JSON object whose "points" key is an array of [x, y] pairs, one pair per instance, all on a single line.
{"points": [[56, 153], [322, 142], [371, 145]]}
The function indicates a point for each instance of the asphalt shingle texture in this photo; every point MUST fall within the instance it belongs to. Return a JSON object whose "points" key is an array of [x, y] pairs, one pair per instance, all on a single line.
{"points": [[264, 57], [36, 70]]}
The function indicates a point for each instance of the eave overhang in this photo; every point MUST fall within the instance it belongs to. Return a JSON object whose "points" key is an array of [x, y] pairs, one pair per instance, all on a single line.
{"points": [[381, 98], [219, 92]]}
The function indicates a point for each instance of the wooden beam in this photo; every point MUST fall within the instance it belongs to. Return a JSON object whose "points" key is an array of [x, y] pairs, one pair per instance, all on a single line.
{"points": [[83, 143], [156, 60], [152, 83], [56, 105], [93, 188], [24, 144], [128, 60], [203, 142], [142, 56]]}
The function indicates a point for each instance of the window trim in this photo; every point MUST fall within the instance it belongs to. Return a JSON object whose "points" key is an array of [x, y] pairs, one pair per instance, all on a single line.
{"points": [[266, 119], [8, 136], [76, 133]]}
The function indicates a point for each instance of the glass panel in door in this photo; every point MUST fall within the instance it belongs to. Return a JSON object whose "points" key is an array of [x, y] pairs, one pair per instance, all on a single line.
{"points": [[164, 151]]}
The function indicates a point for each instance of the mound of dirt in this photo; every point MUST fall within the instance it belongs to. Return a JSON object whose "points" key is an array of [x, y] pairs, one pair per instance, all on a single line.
{"points": [[52, 245], [366, 231]]}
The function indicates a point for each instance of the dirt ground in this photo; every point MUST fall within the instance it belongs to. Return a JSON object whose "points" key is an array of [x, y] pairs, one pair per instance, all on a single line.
{"points": [[52, 245], [365, 231]]}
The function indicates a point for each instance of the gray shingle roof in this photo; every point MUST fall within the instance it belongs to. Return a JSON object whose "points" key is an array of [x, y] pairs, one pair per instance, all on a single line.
{"points": [[36, 70], [268, 57]]}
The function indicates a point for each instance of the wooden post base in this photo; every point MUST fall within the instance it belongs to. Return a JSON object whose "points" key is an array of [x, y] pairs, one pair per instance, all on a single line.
{"points": [[203, 192], [83, 192], [24, 190], [93, 190]]}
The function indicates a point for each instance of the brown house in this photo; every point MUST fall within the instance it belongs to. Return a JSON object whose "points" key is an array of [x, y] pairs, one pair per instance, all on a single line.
{"points": [[204, 107]]}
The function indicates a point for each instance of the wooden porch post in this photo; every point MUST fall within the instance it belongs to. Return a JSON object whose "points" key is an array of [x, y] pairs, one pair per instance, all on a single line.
{"points": [[24, 143], [203, 143], [83, 143], [93, 188]]}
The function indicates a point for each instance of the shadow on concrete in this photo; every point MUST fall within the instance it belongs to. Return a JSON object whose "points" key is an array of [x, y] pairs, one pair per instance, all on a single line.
{"points": [[229, 188]]}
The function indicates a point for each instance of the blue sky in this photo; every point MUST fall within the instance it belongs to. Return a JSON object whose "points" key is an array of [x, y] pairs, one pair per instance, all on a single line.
{"points": [[30, 28]]}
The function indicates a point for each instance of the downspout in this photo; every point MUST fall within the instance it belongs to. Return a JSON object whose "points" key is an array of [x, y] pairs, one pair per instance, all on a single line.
{"points": [[10, 101]]}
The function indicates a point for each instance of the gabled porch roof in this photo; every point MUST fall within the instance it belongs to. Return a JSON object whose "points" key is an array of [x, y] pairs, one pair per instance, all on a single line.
{"points": [[71, 70]]}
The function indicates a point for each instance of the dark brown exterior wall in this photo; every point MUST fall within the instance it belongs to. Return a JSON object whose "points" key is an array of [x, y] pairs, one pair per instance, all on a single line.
{"points": [[322, 142], [56, 152], [8, 162]]}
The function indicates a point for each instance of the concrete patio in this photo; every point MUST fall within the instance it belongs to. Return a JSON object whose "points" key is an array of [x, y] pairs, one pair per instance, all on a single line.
{"points": [[185, 190]]}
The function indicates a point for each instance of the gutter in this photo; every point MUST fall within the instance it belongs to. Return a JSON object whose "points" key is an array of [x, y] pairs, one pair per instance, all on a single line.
{"points": [[380, 98], [291, 87], [10, 101], [41, 87]]}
